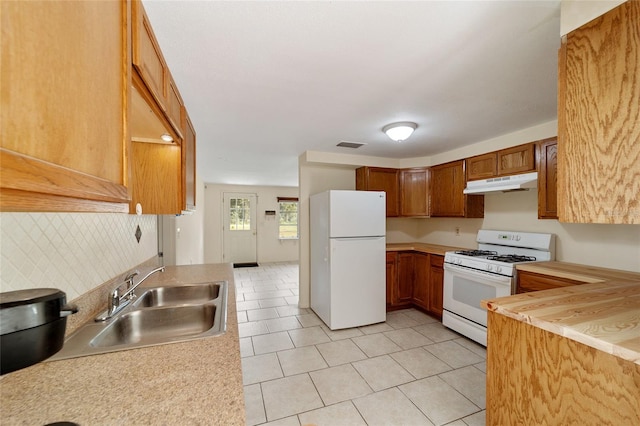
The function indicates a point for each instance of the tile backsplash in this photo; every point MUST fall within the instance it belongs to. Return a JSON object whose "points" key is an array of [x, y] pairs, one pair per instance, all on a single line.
{"points": [[74, 252]]}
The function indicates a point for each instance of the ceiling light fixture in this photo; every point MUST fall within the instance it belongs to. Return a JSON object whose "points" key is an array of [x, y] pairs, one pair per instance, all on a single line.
{"points": [[166, 137], [399, 131]]}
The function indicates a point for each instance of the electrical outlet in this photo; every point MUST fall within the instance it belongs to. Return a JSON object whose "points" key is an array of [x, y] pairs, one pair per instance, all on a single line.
{"points": [[457, 231]]}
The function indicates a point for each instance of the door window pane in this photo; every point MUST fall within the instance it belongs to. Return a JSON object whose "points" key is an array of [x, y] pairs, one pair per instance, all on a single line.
{"points": [[239, 214]]}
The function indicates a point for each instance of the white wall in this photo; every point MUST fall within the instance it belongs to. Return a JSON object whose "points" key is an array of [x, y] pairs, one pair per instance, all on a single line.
{"points": [[269, 247], [183, 235], [575, 13], [313, 178]]}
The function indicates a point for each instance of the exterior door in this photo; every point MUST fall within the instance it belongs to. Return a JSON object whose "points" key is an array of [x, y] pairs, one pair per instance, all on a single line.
{"points": [[239, 233]]}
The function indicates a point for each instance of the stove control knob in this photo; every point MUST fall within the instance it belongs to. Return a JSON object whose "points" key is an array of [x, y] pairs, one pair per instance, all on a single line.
{"points": [[489, 268], [499, 269]]}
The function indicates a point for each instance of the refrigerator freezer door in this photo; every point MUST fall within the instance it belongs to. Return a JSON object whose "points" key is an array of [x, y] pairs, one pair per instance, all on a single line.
{"points": [[357, 214], [358, 282]]}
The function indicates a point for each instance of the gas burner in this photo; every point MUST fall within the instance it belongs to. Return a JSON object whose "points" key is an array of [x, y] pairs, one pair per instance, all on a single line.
{"points": [[476, 253], [512, 258]]}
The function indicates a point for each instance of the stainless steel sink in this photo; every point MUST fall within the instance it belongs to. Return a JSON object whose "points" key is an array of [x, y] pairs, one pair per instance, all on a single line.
{"points": [[160, 315], [148, 326], [183, 294]]}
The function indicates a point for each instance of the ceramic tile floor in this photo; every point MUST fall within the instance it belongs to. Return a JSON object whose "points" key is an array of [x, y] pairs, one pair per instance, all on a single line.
{"points": [[409, 370]]}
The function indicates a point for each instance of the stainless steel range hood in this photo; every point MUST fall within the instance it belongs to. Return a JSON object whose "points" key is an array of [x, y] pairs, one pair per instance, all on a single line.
{"points": [[504, 184]]}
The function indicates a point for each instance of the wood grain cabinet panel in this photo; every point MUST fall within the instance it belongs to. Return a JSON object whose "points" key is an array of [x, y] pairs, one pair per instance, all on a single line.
{"points": [[392, 276], [421, 280], [147, 56], [156, 178], [403, 294], [529, 368], [447, 199], [381, 179], [414, 192], [175, 108], [599, 119], [189, 164], [548, 179], [63, 137], [483, 166], [530, 281], [436, 284], [515, 160]]}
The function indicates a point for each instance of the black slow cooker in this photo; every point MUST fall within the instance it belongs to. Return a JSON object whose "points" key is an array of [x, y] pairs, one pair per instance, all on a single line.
{"points": [[32, 326]]}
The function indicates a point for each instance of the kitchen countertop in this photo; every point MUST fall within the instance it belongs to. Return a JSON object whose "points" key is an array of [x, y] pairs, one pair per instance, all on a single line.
{"points": [[422, 247], [195, 382], [604, 316], [574, 271]]}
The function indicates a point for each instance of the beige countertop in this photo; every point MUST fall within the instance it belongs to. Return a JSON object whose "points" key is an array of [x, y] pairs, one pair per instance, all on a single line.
{"points": [[604, 316], [574, 271], [422, 247], [195, 382]]}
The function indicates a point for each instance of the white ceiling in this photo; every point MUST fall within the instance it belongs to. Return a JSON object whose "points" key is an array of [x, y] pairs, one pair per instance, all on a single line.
{"points": [[264, 81]]}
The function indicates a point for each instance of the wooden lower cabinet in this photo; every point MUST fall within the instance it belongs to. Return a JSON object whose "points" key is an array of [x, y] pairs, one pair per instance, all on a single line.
{"points": [[436, 280], [530, 281], [392, 276], [535, 377], [403, 294], [415, 279], [421, 280], [447, 184]]}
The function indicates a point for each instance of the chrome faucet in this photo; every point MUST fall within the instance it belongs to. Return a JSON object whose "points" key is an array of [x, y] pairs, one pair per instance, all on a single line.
{"points": [[117, 301]]}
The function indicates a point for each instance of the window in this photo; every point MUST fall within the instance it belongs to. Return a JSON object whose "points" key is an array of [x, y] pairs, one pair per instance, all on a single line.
{"points": [[288, 222], [239, 214]]}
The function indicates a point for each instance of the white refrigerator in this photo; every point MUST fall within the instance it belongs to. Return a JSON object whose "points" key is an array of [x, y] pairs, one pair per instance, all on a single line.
{"points": [[348, 272]]}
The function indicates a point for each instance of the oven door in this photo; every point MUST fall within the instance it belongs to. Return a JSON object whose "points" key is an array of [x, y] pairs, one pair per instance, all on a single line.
{"points": [[464, 289]]}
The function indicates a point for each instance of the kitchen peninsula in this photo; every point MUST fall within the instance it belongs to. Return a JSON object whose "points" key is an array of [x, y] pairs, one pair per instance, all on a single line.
{"points": [[569, 355], [194, 382]]}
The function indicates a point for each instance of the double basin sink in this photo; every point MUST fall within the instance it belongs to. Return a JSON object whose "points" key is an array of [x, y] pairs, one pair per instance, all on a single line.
{"points": [[156, 316]]}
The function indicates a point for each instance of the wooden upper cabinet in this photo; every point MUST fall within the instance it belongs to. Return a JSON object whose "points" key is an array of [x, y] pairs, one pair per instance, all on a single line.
{"points": [[175, 108], [547, 179], [447, 199], [518, 159], [189, 165], [483, 166], [414, 192], [505, 162], [156, 178], [599, 120], [63, 133], [380, 179], [147, 56]]}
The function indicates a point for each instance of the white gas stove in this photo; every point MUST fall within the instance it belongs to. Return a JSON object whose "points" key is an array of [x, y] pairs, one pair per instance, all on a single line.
{"points": [[499, 251], [486, 273]]}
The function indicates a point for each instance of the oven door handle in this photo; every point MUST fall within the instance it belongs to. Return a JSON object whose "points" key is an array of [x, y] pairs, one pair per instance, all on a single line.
{"points": [[498, 279]]}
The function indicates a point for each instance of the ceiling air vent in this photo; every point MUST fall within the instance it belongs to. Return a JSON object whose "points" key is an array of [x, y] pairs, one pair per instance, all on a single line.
{"points": [[349, 144]]}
